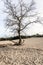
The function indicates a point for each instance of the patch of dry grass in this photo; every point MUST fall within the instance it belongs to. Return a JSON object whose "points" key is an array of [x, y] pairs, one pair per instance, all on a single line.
{"points": [[17, 56]]}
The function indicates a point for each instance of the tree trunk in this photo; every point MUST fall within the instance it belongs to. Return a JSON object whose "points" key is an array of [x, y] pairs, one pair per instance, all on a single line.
{"points": [[19, 39], [19, 34]]}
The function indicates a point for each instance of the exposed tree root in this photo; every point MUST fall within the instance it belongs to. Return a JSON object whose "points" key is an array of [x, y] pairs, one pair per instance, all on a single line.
{"points": [[17, 43]]}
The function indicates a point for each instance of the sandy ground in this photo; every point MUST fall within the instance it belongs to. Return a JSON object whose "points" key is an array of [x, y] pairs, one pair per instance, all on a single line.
{"points": [[28, 43], [30, 53], [34, 43]]}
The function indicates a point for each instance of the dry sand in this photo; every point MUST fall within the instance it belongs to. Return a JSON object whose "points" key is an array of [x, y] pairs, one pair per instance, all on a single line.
{"points": [[30, 53], [28, 43]]}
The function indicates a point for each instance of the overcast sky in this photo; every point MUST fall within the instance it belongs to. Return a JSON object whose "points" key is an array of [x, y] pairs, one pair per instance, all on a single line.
{"points": [[33, 29]]}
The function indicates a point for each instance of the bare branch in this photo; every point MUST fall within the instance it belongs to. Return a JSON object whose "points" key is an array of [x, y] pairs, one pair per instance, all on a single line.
{"points": [[28, 9], [28, 24]]}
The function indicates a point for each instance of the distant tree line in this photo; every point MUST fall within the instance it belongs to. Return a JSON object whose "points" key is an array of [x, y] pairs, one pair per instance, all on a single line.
{"points": [[22, 37]]}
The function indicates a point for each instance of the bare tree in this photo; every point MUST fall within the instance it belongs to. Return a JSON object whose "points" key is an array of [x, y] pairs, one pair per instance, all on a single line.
{"points": [[17, 14]]}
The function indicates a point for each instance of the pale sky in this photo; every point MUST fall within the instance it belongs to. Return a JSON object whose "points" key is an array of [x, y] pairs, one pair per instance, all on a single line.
{"points": [[33, 29]]}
